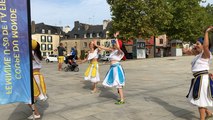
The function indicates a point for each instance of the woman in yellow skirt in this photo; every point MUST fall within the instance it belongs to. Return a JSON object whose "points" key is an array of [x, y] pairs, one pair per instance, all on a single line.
{"points": [[92, 72], [39, 86]]}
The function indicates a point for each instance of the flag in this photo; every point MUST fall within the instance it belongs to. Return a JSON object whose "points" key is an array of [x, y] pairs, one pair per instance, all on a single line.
{"points": [[15, 52]]}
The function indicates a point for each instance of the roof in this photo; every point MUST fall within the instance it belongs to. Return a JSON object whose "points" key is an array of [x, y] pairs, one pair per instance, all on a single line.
{"points": [[53, 29], [82, 29], [176, 41]]}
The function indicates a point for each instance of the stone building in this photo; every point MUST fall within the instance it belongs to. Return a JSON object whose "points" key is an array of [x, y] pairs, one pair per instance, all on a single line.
{"points": [[48, 36], [80, 36]]}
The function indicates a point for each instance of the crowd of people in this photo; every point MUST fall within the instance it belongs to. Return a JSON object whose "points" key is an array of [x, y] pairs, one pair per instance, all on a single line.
{"points": [[201, 88]]}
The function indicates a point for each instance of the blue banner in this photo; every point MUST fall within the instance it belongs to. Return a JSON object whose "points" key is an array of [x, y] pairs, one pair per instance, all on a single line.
{"points": [[15, 64]]}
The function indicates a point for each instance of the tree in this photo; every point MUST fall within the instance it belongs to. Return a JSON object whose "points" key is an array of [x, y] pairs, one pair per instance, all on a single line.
{"points": [[189, 20], [145, 17], [182, 19]]}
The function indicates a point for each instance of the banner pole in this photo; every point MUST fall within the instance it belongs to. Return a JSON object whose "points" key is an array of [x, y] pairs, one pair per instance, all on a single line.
{"points": [[30, 54], [30, 51]]}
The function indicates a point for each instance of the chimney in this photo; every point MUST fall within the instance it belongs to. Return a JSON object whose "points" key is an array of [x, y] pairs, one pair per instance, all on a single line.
{"points": [[105, 23], [33, 27], [76, 24]]}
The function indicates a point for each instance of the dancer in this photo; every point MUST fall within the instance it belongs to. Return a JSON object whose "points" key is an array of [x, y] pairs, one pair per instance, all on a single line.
{"points": [[201, 91], [38, 79], [115, 76], [92, 72]]}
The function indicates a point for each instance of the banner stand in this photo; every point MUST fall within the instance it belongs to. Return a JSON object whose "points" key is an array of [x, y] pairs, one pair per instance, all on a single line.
{"points": [[30, 52]]}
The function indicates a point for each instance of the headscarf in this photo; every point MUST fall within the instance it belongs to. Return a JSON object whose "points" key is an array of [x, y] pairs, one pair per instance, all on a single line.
{"points": [[201, 40], [34, 44]]}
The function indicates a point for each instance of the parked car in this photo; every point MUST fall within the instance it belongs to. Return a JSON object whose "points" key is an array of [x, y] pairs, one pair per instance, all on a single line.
{"points": [[105, 57], [51, 58]]}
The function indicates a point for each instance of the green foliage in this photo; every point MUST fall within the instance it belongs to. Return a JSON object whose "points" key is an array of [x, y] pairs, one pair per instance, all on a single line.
{"points": [[142, 17], [179, 19], [189, 20]]}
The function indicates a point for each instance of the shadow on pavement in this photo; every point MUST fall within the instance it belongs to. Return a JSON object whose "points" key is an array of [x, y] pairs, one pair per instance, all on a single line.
{"points": [[176, 111], [23, 111], [87, 84], [107, 93], [104, 92]]}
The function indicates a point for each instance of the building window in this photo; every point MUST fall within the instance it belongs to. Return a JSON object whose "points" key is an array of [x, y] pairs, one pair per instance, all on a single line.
{"points": [[44, 54], [94, 35], [50, 47], [49, 31], [88, 35], [43, 47], [43, 38], [85, 44], [107, 44], [161, 41], [98, 35], [43, 31], [49, 38], [76, 36], [98, 43]]}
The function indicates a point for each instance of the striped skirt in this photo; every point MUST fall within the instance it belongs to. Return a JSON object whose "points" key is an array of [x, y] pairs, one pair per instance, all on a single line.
{"points": [[200, 93], [39, 86], [115, 76], [92, 72]]}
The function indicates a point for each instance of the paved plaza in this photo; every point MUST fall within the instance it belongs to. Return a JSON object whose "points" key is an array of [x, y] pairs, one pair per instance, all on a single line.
{"points": [[155, 90]]}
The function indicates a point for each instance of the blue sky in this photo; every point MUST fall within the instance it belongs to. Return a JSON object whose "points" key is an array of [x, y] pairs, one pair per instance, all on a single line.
{"points": [[65, 12]]}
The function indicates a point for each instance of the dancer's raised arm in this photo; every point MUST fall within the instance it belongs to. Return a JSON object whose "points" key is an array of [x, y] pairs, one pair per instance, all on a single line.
{"points": [[102, 47], [206, 53]]}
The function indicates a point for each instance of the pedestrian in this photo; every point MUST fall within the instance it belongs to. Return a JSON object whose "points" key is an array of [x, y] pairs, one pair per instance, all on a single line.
{"points": [[39, 86], [92, 72], [61, 50], [76, 52], [73, 53], [147, 52], [201, 89], [115, 76]]}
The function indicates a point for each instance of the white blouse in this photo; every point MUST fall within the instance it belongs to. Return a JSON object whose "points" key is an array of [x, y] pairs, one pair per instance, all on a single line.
{"points": [[200, 64], [93, 54], [36, 62], [116, 56]]}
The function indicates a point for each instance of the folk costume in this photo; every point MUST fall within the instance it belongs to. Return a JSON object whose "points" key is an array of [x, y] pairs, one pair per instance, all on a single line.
{"points": [[201, 89], [115, 76], [38, 80], [92, 72]]}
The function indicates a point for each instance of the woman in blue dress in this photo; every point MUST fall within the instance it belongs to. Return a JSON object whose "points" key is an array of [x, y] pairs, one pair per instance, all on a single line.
{"points": [[115, 76]]}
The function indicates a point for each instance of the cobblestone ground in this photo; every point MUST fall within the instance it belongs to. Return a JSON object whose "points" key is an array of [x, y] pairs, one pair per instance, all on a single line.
{"points": [[155, 90]]}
